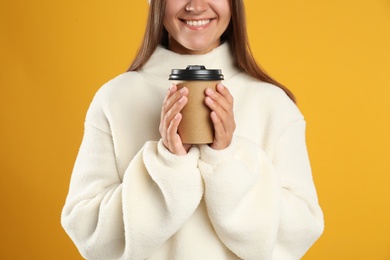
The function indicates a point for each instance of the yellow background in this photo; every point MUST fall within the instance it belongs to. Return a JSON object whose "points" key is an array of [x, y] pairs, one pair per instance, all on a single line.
{"points": [[334, 55]]}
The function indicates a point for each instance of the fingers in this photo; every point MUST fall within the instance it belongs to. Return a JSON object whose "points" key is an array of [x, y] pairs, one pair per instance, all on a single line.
{"points": [[219, 101], [173, 141], [221, 104], [174, 102], [172, 97], [221, 97], [221, 139]]}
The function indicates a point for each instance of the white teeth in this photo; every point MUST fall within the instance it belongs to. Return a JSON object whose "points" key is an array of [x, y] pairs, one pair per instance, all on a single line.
{"points": [[198, 23]]}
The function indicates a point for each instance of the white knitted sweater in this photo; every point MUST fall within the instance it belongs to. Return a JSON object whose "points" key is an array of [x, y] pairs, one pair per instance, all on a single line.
{"points": [[130, 198]]}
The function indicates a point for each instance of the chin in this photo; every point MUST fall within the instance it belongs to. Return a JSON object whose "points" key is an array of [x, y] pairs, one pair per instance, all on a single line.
{"points": [[200, 48]]}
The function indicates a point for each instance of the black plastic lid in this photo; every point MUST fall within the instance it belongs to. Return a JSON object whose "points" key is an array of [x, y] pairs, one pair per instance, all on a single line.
{"points": [[196, 72]]}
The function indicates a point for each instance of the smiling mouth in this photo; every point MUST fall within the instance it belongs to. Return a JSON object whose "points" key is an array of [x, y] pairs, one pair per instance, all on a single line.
{"points": [[196, 23]]}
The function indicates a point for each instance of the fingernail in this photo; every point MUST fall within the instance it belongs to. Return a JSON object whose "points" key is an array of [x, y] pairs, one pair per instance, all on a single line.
{"points": [[209, 100], [209, 91], [220, 86], [171, 87], [181, 99], [182, 90]]}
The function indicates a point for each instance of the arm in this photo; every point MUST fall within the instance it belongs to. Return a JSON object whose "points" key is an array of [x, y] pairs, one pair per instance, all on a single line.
{"points": [[262, 207], [108, 218]]}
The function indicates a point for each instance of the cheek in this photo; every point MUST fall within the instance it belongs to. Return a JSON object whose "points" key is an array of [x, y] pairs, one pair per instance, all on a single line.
{"points": [[167, 22], [228, 19], [225, 13], [169, 19]]}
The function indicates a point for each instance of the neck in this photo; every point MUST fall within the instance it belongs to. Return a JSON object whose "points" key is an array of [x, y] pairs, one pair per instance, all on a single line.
{"points": [[175, 46], [163, 61]]}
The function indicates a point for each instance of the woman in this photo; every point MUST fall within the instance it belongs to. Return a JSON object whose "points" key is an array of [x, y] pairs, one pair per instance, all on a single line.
{"points": [[138, 192]]}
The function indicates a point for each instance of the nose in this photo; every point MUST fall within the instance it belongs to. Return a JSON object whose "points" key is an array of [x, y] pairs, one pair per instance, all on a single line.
{"points": [[197, 6]]}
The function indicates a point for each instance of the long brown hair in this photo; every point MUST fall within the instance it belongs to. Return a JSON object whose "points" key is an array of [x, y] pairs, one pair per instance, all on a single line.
{"points": [[235, 34]]}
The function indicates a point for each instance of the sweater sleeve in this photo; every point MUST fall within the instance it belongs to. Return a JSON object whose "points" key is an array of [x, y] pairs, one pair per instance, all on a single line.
{"points": [[263, 208], [110, 218]]}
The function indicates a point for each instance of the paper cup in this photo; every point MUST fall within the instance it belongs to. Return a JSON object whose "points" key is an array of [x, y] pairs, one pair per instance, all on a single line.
{"points": [[196, 126]]}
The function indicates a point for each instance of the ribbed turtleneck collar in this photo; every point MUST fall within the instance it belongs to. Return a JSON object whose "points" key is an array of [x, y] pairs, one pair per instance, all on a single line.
{"points": [[163, 61]]}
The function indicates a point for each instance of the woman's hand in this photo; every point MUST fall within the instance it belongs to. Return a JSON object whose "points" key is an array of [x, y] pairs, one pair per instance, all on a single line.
{"points": [[174, 102], [221, 104]]}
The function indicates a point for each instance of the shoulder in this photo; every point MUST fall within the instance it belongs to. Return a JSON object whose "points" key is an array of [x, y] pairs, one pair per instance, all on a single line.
{"points": [[115, 90], [117, 85], [110, 94], [270, 99]]}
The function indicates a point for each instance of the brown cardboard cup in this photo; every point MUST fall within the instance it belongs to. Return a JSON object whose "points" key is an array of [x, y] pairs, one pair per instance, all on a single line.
{"points": [[196, 126]]}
